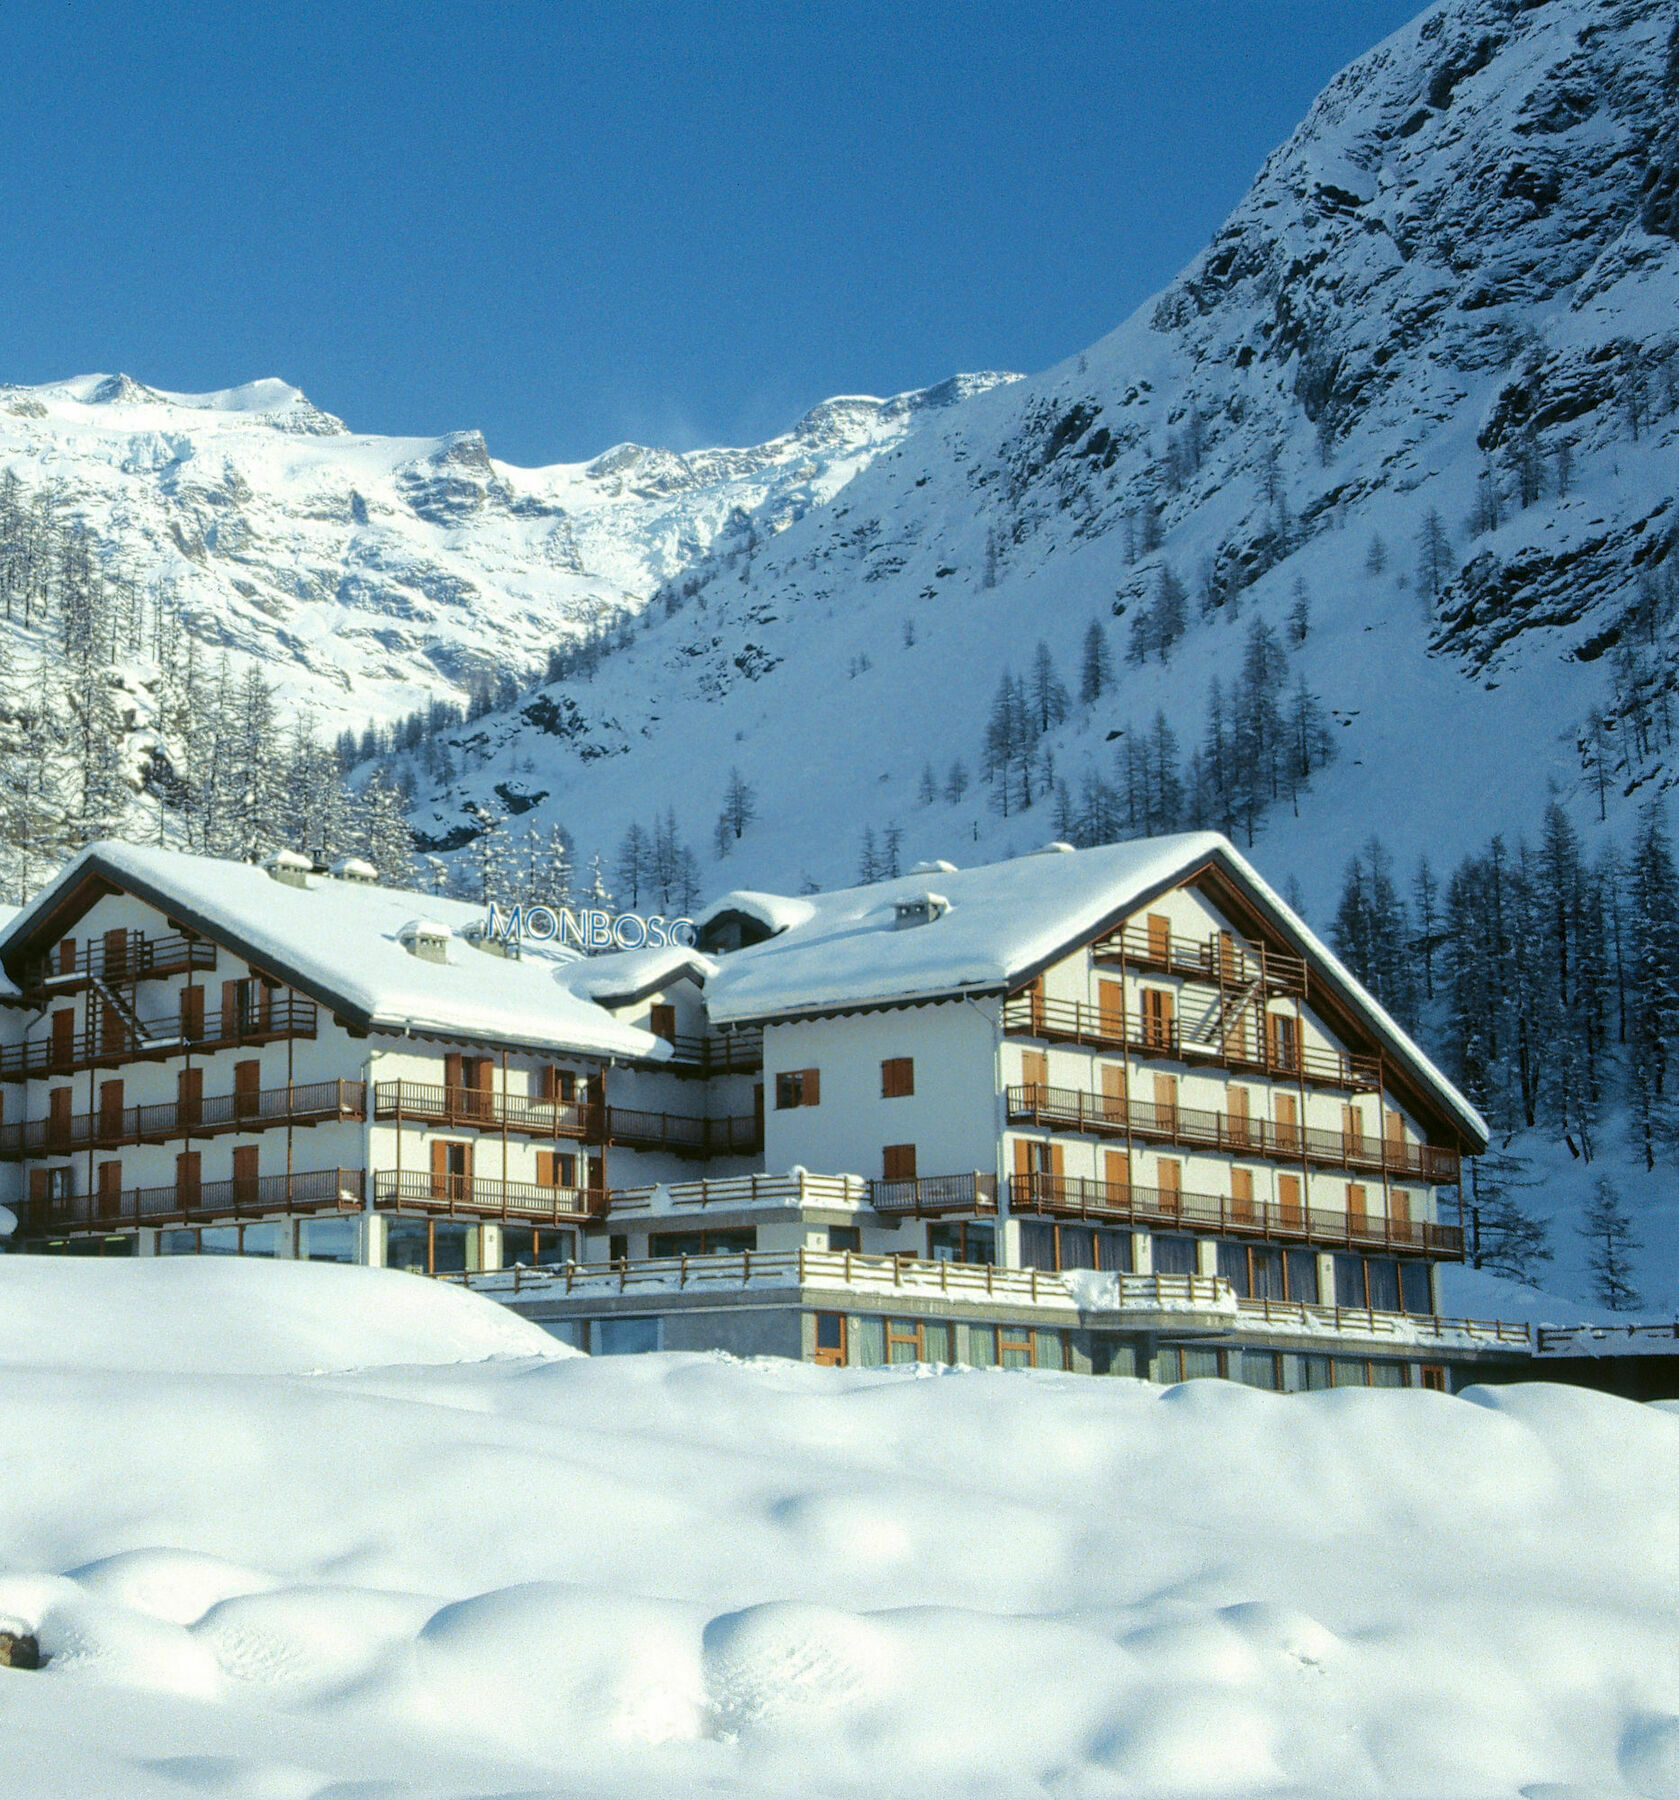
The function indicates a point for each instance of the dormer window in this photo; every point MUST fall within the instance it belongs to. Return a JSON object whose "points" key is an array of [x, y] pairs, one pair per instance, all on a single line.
{"points": [[918, 909]]}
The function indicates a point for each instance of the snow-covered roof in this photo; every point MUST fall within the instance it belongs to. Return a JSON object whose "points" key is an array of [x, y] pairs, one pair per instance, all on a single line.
{"points": [[622, 976], [341, 942], [1005, 921]]}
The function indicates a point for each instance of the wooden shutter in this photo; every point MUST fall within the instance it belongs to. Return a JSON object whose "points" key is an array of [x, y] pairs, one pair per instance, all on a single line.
{"points": [[188, 1167], [812, 1087], [1116, 1175], [38, 1177], [547, 1168], [247, 1087], [1168, 1179], [1357, 1211], [1229, 963], [245, 1174], [1022, 1156], [1288, 1200], [114, 960], [898, 1162], [1158, 1008], [1288, 1122], [110, 1189], [59, 1103], [192, 1014], [1352, 1131], [231, 1024], [63, 1037], [189, 1093], [110, 1109], [1166, 1103], [67, 956], [1159, 938], [1113, 1090], [1034, 1075], [897, 1077], [454, 1078], [112, 1032], [1399, 1215], [1110, 1011], [1241, 1195], [1055, 1165], [661, 1021], [439, 1169]]}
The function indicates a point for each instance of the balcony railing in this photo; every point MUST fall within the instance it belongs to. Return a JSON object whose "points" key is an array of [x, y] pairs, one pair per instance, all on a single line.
{"points": [[717, 1053], [926, 1196], [244, 1197], [1220, 961], [314, 1103], [474, 1109], [112, 1040], [732, 1192], [135, 958], [1173, 1209], [484, 1197], [682, 1134], [1239, 1047], [1104, 1115]]}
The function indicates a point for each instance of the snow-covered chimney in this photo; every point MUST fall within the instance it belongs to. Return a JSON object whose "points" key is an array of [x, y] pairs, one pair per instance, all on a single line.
{"points": [[355, 868], [289, 867], [426, 939]]}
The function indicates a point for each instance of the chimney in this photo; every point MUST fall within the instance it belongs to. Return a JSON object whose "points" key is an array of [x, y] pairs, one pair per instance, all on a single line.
{"points": [[357, 869], [426, 939], [288, 867]]}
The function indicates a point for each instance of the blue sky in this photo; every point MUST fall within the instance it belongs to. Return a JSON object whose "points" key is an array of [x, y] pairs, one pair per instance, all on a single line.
{"points": [[572, 225]]}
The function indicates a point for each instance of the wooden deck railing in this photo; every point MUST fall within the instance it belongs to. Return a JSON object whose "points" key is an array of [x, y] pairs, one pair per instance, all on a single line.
{"points": [[485, 1197], [1076, 1197], [926, 1196], [717, 1053], [1239, 1048], [1103, 1115], [1228, 962], [1301, 1314], [109, 1043], [473, 1108], [841, 1192], [683, 1134], [318, 1190], [311, 1103], [136, 958]]}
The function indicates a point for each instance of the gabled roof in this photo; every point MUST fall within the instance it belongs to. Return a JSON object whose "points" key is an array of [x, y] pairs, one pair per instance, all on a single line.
{"points": [[337, 941], [1008, 921]]}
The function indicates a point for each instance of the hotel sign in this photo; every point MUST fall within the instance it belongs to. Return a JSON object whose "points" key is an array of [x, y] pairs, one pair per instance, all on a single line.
{"points": [[588, 928]]}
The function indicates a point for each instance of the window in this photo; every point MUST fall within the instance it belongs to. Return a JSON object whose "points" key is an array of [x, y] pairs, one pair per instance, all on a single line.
{"points": [[845, 1237], [918, 1341], [1014, 1347], [703, 1243], [898, 1162], [1414, 1291], [981, 1352], [897, 1077], [329, 1240], [1175, 1363], [531, 1246], [960, 1242], [1175, 1256], [1261, 1369], [558, 1084], [618, 1247], [1284, 1031], [797, 1087], [868, 1342], [1267, 1272], [1433, 1378], [1049, 1350], [426, 1246], [1157, 1018], [556, 1169], [625, 1337], [1382, 1284]]}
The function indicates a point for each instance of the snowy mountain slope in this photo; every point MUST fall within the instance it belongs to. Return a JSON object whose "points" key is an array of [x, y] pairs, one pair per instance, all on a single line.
{"points": [[1455, 289], [368, 574]]}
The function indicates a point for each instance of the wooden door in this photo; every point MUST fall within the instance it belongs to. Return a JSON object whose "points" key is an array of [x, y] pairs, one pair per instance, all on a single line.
{"points": [[59, 1103], [1288, 1122], [829, 1346], [1393, 1127], [245, 1188], [451, 1169], [1166, 1104], [1116, 1177], [247, 1088], [1113, 1092], [64, 1037], [1358, 1220], [481, 1082], [115, 955], [1241, 1196], [110, 1110], [232, 1025], [1400, 1228], [1352, 1133], [1159, 1007], [188, 1179], [1284, 1033], [1034, 1077], [1289, 1213], [1159, 938], [192, 1014], [110, 1190], [1169, 1180], [189, 1094], [1110, 1011], [1236, 1119]]}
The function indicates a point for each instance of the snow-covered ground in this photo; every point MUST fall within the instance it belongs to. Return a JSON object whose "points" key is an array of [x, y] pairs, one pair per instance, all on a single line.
{"points": [[500, 1569]]}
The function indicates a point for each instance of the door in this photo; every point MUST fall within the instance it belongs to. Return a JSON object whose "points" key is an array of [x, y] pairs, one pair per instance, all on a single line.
{"points": [[1166, 1104], [59, 1102], [829, 1350], [245, 1188], [189, 1094], [1241, 1196], [661, 1021], [1110, 1011], [1159, 1007], [1400, 1228], [1393, 1127], [1229, 961], [192, 1014], [1116, 1178], [1113, 1092], [64, 1038], [1159, 939], [1358, 1220], [1352, 1134], [481, 1083], [67, 956], [188, 1179], [1034, 1078], [110, 1111], [451, 1169], [115, 958], [110, 1190], [1289, 1214], [247, 1088], [1169, 1180], [1284, 1032], [1288, 1122]]}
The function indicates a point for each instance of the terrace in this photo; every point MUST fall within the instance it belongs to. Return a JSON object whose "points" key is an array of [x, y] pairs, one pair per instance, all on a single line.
{"points": [[313, 1103]]}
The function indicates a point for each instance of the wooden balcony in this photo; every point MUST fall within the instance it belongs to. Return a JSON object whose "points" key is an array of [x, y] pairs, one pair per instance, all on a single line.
{"points": [[1225, 962], [252, 1197], [718, 1053], [472, 1109], [315, 1103], [485, 1197], [1238, 1049], [928, 1196], [1171, 1209], [683, 1135], [118, 962], [1188, 1127], [113, 1040]]}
